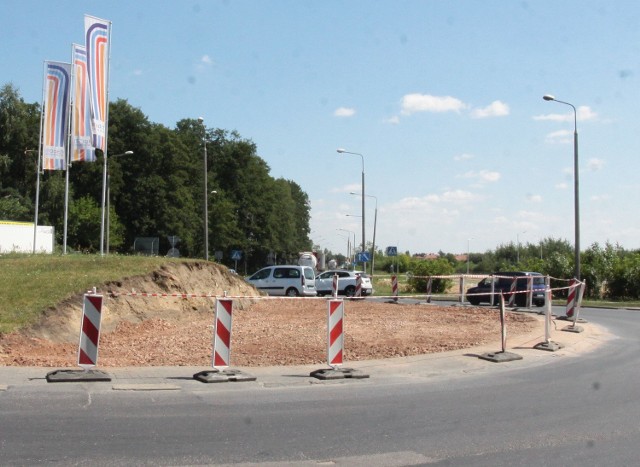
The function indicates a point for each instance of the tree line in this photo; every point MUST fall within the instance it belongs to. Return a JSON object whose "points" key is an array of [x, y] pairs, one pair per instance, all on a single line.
{"points": [[610, 271], [158, 191]]}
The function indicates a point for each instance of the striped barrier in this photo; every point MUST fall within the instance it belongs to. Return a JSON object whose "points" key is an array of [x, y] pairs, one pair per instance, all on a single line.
{"points": [[335, 346], [88, 346], [358, 286], [221, 355], [335, 337], [571, 298], [90, 331], [394, 288], [512, 293], [222, 334], [334, 286]]}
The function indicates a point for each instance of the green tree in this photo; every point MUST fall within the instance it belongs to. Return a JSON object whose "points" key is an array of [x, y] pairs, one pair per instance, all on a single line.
{"points": [[422, 269]]}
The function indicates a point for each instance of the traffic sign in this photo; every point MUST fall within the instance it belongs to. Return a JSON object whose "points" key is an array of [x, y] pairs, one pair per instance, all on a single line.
{"points": [[236, 255], [363, 257], [392, 251]]}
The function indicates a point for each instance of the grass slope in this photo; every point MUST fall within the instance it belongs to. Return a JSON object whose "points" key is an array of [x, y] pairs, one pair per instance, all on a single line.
{"points": [[29, 284]]}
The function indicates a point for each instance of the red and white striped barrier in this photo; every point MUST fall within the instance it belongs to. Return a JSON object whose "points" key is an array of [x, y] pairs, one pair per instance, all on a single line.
{"points": [[222, 334], [512, 296], [90, 331], [394, 288], [335, 338], [359, 286], [571, 298]]}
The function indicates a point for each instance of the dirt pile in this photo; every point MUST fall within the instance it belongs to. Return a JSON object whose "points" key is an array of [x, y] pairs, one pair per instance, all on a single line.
{"points": [[149, 331]]}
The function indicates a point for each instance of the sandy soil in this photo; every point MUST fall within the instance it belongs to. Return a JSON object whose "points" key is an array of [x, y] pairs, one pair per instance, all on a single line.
{"points": [[154, 331]]}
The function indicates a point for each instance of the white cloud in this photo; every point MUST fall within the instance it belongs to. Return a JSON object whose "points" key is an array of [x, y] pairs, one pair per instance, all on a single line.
{"points": [[534, 198], [457, 196], [595, 164], [598, 198], [486, 176], [393, 120], [495, 109], [344, 112], [412, 103], [346, 189], [137, 72], [561, 136], [206, 60], [562, 186], [583, 114], [463, 157]]}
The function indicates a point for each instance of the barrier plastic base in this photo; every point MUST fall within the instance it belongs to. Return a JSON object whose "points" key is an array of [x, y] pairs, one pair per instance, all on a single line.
{"points": [[548, 346], [570, 318], [223, 376], [338, 373], [572, 328], [500, 357], [77, 376]]}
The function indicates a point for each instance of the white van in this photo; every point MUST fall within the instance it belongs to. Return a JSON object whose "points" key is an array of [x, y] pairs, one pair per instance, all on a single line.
{"points": [[292, 281]]}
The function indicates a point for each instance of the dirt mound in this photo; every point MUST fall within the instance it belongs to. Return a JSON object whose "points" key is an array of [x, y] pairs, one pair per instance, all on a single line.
{"points": [[148, 331]]}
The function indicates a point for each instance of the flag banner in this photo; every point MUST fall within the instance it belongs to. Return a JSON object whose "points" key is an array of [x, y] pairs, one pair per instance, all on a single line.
{"points": [[56, 115], [97, 37], [81, 140]]}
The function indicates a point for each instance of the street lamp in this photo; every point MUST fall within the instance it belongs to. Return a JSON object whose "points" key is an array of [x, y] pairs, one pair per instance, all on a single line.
{"points": [[35, 222], [349, 242], [518, 246], [343, 151], [576, 183], [375, 221], [126, 153], [206, 195]]}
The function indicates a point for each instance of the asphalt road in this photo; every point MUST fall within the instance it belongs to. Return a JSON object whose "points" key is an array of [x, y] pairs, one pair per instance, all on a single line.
{"points": [[566, 409]]}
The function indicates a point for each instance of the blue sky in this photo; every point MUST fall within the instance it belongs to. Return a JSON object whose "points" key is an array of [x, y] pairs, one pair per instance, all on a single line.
{"points": [[442, 99]]}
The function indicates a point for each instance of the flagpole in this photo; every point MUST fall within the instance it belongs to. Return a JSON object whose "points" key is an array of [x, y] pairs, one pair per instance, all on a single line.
{"points": [[35, 221], [106, 132], [68, 153]]}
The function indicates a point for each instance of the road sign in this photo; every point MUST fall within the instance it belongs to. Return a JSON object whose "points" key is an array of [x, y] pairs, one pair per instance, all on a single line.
{"points": [[236, 255], [363, 257], [392, 251]]}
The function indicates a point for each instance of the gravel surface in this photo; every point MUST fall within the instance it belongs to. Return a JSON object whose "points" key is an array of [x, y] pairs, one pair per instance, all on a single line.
{"points": [[157, 331]]}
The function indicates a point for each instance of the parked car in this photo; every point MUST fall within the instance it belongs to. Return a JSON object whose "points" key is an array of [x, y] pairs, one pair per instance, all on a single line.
{"points": [[502, 284], [285, 280], [346, 282]]}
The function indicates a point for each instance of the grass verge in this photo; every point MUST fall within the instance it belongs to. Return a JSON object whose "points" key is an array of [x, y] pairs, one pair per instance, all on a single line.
{"points": [[29, 284]]}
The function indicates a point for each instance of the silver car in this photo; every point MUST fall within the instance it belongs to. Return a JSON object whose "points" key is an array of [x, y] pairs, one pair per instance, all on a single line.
{"points": [[292, 281], [346, 282]]}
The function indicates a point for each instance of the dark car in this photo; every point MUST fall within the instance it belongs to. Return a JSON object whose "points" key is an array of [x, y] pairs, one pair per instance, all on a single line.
{"points": [[503, 282]]}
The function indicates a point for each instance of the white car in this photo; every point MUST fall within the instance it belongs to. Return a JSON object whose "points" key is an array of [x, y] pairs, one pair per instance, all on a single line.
{"points": [[346, 282], [291, 281]]}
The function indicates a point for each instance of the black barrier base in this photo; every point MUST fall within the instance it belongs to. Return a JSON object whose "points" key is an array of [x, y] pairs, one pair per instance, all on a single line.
{"points": [[77, 376], [548, 346], [500, 357], [338, 373], [570, 318], [572, 328], [223, 376]]}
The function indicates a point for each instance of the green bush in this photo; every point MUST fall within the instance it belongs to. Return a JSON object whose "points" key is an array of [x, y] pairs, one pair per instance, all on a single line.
{"points": [[421, 269]]}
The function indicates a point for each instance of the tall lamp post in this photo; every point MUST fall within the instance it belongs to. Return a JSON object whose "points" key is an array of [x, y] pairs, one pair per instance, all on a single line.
{"points": [[127, 153], [206, 194], [343, 151], [375, 221], [576, 183], [349, 241]]}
